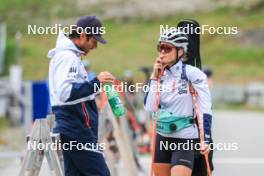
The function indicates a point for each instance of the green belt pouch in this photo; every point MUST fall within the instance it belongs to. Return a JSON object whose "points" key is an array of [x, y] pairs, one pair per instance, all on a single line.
{"points": [[168, 122]]}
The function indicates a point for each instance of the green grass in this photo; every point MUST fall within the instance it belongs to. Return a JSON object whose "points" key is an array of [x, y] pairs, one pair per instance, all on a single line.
{"points": [[10, 55], [132, 44], [4, 123]]}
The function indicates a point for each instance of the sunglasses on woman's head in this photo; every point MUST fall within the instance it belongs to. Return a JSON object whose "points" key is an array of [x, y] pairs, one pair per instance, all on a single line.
{"points": [[164, 48]]}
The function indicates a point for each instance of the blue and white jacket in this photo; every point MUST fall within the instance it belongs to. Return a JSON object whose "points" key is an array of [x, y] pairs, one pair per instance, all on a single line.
{"points": [[72, 96], [175, 97]]}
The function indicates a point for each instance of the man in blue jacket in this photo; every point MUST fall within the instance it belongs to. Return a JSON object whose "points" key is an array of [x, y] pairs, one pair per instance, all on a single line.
{"points": [[73, 99]]}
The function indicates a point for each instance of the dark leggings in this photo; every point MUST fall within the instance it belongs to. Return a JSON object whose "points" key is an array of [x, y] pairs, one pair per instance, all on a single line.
{"points": [[190, 158]]}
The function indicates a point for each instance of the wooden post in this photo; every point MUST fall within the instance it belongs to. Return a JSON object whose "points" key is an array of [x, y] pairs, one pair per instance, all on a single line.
{"points": [[121, 138], [109, 157]]}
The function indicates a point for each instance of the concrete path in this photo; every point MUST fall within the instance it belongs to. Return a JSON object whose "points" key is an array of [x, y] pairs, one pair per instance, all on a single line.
{"points": [[244, 129]]}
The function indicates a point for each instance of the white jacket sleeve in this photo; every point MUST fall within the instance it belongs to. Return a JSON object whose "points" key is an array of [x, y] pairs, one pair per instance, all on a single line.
{"points": [[65, 77], [199, 82], [67, 71], [150, 96]]}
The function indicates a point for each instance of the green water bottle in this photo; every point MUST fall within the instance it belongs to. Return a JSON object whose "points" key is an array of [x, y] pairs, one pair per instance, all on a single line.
{"points": [[114, 100]]}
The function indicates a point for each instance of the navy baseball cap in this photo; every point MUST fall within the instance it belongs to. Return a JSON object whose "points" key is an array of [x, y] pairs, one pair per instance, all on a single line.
{"points": [[92, 25]]}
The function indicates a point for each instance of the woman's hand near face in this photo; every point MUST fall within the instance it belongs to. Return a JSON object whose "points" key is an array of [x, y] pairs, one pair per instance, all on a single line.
{"points": [[157, 68]]}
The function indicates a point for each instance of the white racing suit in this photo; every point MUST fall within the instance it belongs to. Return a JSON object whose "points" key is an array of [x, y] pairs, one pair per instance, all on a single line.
{"points": [[175, 98]]}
